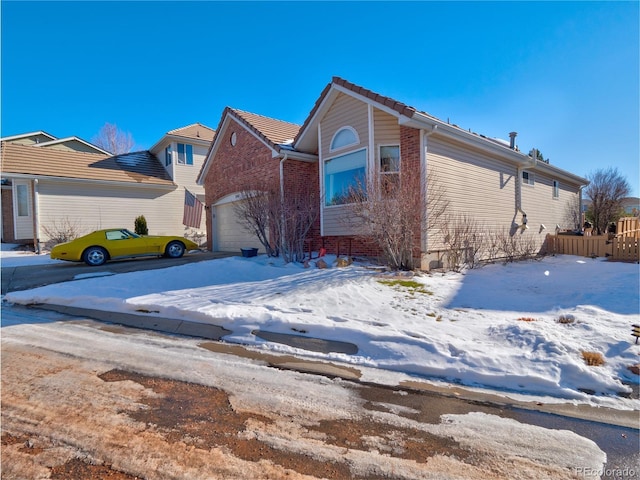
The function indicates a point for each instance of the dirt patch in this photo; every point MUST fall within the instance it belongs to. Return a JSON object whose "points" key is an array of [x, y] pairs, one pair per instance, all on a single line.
{"points": [[28, 446], [202, 416], [77, 469]]}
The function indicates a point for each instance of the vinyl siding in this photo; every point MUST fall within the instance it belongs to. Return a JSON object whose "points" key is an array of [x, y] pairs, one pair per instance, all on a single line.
{"points": [[92, 207], [72, 146], [186, 175], [475, 185], [345, 111], [386, 129], [542, 209]]}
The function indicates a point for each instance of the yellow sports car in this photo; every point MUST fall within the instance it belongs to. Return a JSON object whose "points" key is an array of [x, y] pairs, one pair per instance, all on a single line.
{"points": [[96, 248]]}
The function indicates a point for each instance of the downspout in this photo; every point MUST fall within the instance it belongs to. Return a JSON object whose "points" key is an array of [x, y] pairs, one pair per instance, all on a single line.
{"points": [[36, 217], [282, 230], [423, 183]]}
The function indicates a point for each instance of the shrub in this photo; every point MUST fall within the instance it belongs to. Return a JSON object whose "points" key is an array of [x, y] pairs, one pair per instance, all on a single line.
{"points": [[526, 319], [60, 231], [593, 359], [141, 226]]}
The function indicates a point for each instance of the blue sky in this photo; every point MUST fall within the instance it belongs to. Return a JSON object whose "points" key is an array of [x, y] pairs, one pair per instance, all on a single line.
{"points": [[565, 76]]}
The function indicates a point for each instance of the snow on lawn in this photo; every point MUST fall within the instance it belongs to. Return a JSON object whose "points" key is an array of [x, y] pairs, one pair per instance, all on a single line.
{"points": [[495, 327], [12, 256]]}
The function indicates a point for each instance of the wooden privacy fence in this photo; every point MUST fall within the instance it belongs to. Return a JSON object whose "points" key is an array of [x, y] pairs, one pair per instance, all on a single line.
{"points": [[622, 246]]}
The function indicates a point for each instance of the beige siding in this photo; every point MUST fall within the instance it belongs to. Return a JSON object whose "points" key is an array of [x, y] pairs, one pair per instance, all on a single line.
{"points": [[386, 128], [92, 207], [543, 209], [474, 183], [186, 175], [345, 111], [72, 146]]}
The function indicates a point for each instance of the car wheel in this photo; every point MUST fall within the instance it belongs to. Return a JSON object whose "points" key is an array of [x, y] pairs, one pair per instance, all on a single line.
{"points": [[95, 256], [174, 250]]}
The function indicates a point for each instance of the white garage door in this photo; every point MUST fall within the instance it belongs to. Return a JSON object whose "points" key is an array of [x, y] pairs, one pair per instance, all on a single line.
{"points": [[229, 234]]}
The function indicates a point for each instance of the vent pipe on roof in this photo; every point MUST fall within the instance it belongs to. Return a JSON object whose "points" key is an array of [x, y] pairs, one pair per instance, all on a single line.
{"points": [[512, 140]]}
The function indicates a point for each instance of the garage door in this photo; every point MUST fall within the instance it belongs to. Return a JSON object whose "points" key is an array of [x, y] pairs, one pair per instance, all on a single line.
{"points": [[229, 234]]}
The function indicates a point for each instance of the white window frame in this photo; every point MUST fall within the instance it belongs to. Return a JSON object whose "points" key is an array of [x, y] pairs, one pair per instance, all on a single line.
{"points": [[187, 158], [530, 178], [333, 148], [324, 174], [388, 174], [556, 189]]}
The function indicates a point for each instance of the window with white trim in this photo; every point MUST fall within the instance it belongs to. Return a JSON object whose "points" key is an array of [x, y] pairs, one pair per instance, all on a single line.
{"points": [[389, 169], [185, 154], [527, 178], [342, 175], [22, 196], [556, 189], [344, 137], [167, 156]]}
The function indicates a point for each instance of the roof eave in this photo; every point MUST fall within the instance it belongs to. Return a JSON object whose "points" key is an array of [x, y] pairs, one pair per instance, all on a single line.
{"points": [[28, 176]]}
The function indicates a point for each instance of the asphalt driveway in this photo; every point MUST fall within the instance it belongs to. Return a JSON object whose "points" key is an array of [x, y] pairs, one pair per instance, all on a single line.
{"points": [[32, 276]]}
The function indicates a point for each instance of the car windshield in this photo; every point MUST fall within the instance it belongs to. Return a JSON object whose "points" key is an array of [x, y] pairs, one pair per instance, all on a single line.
{"points": [[130, 233]]}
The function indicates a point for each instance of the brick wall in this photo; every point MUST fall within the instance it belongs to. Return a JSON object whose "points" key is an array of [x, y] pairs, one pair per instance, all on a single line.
{"points": [[7, 215]]}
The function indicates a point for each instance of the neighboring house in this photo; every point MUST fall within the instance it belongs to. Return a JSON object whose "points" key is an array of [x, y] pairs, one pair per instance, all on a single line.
{"points": [[631, 205], [349, 130], [50, 185]]}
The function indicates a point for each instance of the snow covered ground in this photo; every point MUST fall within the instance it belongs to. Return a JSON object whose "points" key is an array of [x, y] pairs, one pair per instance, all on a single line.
{"points": [[495, 328]]}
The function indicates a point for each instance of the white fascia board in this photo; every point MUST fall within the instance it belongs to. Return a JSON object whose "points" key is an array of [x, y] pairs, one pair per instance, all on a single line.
{"points": [[311, 129], [300, 156], [24, 176], [229, 116], [168, 138], [559, 173], [212, 150], [27, 135], [71, 139]]}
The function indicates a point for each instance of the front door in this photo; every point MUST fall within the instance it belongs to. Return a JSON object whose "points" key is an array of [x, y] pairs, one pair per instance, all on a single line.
{"points": [[22, 210]]}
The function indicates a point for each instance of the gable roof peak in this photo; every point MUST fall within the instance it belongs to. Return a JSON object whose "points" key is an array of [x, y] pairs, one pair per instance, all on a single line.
{"points": [[276, 132]]}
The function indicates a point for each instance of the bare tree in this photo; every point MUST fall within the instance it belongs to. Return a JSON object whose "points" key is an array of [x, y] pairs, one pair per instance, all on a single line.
{"points": [[281, 223], [114, 140], [606, 189], [573, 213], [258, 211], [396, 214]]}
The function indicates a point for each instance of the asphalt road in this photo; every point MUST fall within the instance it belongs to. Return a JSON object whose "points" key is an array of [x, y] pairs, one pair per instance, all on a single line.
{"points": [[32, 276]]}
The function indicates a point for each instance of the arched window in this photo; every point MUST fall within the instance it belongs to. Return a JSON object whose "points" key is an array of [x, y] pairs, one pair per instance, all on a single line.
{"points": [[344, 137]]}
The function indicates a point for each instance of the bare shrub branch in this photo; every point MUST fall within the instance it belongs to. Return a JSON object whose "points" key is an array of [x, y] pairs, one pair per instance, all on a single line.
{"points": [[257, 212], [465, 241], [394, 215], [60, 231], [280, 224]]}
